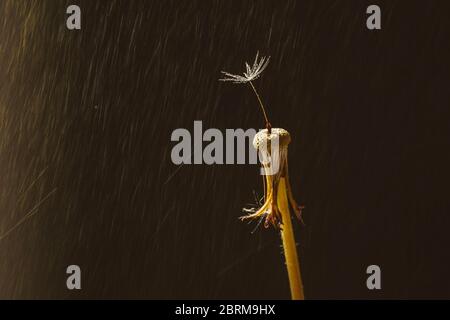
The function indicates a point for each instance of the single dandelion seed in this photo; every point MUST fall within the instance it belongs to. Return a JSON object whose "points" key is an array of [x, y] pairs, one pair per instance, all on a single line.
{"points": [[251, 73], [272, 145]]}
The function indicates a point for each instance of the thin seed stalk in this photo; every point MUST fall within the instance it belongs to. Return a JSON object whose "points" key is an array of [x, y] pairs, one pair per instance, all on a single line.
{"points": [[268, 125], [289, 246]]}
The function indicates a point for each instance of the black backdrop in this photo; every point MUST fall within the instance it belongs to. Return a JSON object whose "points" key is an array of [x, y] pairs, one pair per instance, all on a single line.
{"points": [[86, 119]]}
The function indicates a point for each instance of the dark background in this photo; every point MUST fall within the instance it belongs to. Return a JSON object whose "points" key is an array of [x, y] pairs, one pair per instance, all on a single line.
{"points": [[85, 124]]}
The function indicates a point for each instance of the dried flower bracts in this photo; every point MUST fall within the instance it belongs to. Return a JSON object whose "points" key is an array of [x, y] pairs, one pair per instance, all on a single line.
{"points": [[273, 151]]}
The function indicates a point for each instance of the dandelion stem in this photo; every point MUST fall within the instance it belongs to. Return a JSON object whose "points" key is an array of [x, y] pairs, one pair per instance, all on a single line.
{"points": [[268, 125], [289, 246]]}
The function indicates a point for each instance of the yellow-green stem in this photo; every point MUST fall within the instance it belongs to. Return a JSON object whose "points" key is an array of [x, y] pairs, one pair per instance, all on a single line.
{"points": [[289, 246]]}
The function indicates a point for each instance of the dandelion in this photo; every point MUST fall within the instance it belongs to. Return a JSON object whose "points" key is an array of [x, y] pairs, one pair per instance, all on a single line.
{"points": [[272, 145]]}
